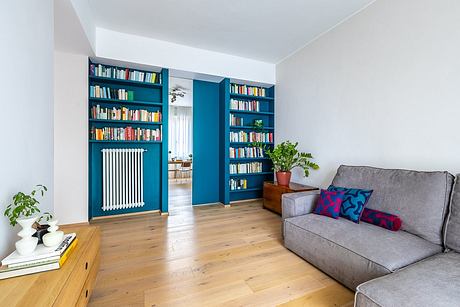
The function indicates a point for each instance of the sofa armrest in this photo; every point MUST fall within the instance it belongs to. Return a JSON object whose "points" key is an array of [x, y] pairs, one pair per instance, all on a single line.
{"points": [[301, 203]]}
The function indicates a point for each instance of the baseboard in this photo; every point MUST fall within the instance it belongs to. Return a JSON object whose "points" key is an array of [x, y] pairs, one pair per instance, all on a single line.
{"points": [[98, 218], [244, 201], [75, 224], [208, 204]]}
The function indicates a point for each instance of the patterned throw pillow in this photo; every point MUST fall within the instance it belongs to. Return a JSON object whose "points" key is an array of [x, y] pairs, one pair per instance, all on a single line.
{"points": [[382, 219], [329, 203], [353, 202]]}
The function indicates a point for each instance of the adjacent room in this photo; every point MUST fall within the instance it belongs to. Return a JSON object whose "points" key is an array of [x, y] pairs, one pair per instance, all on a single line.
{"points": [[230, 153]]}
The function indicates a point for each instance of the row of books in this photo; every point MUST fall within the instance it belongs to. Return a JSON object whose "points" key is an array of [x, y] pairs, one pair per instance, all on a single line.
{"points": [[246, 168], [125, 134], [238, 184], [123, 73], [244, 105], [96, 91], [124, 113], [41, 260], [236, 121], [247, 90], [243, 136], [246, 152]]}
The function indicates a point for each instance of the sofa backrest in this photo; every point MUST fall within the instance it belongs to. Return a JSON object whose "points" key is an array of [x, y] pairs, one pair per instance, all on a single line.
{"points": [[452, 228], [420, 199]]}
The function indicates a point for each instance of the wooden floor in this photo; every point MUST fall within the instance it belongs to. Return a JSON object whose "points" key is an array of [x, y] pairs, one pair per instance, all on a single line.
{"points": [[207, 256]]}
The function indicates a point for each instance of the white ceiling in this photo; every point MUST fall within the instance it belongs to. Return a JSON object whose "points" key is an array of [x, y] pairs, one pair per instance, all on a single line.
{"points": [[265, 30]]}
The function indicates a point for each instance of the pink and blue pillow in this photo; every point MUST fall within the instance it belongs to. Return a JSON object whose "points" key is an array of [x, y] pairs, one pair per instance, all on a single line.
{"points": [[353, 202], [382, 219], [329, 203]]}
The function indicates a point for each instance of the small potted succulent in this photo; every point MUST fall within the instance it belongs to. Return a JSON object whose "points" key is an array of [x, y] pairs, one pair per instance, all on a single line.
{"points": [[285, 157], [25, 212]]}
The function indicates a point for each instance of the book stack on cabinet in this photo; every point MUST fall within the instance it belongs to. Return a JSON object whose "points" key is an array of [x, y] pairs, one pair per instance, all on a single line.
{"points": [[71, 285], [248, 128], [41, 260]]}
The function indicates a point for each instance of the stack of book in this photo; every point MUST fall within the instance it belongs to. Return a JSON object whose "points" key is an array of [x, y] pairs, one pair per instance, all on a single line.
{"points": [[125, 134], [124, 113], [247, 90], [246, 168], [238, 184], [243, 136], [96, 91], [236, 121], [123, 74], [41, 260], [246, 152], [244, 105]]}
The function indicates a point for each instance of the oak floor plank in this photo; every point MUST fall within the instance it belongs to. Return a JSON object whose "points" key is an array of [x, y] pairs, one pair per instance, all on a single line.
{"points": [[206, 256]]}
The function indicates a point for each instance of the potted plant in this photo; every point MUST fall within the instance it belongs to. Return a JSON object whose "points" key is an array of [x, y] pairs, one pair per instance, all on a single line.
{"points": [[285, 157], [24, 211]]}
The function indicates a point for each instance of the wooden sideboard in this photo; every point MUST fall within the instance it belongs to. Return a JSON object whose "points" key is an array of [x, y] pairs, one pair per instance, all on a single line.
{"points": [[71, 285], [273, 192]]}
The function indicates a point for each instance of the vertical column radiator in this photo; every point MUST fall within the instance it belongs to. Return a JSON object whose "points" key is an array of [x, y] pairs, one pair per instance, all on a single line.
{"points": [[122, 178]]}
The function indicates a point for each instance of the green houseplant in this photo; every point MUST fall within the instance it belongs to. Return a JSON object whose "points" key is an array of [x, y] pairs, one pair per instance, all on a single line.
{"points": [[285, 156], [24, 211]]}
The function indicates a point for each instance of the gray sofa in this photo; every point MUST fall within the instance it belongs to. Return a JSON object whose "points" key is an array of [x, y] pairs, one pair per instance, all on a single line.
{"points": [[404, 268]]}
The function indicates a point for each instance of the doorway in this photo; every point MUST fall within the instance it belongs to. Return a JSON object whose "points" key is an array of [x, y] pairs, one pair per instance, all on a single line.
{"points": [[180, 143]]}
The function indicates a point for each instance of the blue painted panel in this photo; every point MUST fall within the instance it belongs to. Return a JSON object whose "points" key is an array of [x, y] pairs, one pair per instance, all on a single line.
{"points": [[224, 142], [164, 146], [206, 136]]}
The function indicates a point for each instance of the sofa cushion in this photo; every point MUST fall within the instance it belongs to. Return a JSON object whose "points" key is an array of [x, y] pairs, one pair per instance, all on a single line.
{"points": [[382, 219], [452, 229], [420, 199], [353, 202], [329, 203], [353, 253], [434, 281]]}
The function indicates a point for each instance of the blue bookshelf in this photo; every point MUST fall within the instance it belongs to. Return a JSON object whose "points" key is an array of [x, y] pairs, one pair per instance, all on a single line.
{"points": [[151, 97], [264, 113]]}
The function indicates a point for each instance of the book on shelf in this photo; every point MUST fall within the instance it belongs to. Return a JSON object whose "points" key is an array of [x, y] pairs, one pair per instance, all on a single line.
{"points": [[238, 184], [125, 134], [243, 136], [244, 105], [236, 121], [99, 70], [124, 113], [246, 168], [246, 152], [97, 91], [41, 260], [247, 90]]}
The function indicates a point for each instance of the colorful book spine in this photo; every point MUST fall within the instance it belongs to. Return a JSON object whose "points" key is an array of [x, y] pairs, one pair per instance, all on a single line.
{"points": [[124, 113], [243, 136], [246, 152], [97, 91], [246, 168], [247, 90], [238, 184], [245, 105], [125, 134], [105, 71]]}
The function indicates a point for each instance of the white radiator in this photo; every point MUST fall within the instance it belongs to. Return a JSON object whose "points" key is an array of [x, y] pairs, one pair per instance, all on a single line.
{"points": [[122, 178]]}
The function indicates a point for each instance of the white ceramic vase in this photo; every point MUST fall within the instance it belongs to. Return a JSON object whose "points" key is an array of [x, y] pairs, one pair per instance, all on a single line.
{"points": [[53, 237], [27, 244]]}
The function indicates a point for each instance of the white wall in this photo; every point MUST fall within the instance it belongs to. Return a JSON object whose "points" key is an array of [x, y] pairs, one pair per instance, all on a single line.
{"points": [[142, 50], [381, 89], [71, 137], [26, 84]]}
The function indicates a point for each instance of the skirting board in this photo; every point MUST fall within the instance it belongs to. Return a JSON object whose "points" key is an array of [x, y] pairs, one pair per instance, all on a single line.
{"points": [[97, 218], [244, 201]]}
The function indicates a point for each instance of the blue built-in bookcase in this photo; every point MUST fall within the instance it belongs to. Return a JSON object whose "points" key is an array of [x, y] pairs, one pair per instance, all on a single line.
{"points": [[149, 96], [254, 178]]}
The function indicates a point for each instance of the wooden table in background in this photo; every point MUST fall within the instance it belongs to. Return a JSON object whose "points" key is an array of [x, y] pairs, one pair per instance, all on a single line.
{"points": [[71, 285], [273, 192]]}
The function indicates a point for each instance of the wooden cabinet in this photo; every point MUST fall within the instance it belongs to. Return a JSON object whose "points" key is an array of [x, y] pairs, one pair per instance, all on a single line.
{"points": [[273, 192], [71, 285]]}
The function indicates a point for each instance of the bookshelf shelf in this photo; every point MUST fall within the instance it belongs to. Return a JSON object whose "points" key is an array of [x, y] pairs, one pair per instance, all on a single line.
{"points": [[252, 112], [248, 159], [245, 190], [251, 127], [249, 143], [125, 142], [146, 98], [250, 97], [132, 122], [123, 81], [252, 174], [125, 102]]}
